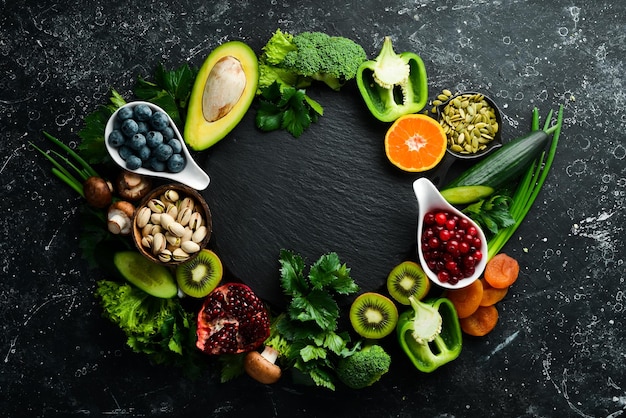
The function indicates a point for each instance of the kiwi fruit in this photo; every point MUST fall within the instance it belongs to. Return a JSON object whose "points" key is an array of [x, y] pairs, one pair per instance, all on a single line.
{"points": [[152, 278], [373, 315], [407, 279], [200, 275]]}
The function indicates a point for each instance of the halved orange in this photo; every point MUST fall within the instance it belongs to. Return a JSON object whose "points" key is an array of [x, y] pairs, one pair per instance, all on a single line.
{"points": [[415, 142]]}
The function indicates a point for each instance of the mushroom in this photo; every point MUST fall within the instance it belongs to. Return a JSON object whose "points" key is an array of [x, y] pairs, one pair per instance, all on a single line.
{"points": [[97, 192], [261, 367], [119, 217], [133, 186]]}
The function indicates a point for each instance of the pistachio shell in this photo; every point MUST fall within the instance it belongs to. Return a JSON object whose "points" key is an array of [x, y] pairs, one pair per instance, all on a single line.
{"points": [[166, 220], [187, 203], [172, 210], [171, 195], [156, 206], [184, 215], [172, 239], [190, 247], [143, 216], [179, 255], [196, 220], [176, 229], [158, 243], [165, 256], [199, 234]]}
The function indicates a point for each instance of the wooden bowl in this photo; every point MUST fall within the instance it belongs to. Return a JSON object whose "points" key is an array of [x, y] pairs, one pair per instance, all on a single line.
{"points": [[144, 236]]}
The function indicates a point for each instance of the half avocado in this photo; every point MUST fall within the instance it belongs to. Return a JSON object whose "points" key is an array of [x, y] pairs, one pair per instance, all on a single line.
{"points": [[223, 91]]}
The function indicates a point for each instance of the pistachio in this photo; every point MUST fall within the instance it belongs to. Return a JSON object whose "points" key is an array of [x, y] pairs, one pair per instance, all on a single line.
{"points": [[156, 206], [190, 247], [171, 195], [199, 234], [196, 220], [187, 202], [184, 216], [176, 229], [172, 239], [179, 255], [158, 243], [187, 235], [146, 241], [165, 256], [172, 210], [166, 220], [143, 216]]}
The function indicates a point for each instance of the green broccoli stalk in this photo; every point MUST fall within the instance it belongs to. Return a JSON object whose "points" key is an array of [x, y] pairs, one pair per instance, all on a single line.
{"points": [[364, 367]]}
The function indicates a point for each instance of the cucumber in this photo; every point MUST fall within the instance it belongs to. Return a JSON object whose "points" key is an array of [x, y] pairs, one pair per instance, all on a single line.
{"points": [[505, 164], [464, 195]]}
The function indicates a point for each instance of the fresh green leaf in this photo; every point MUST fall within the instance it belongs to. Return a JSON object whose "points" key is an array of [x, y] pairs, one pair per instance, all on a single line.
{"points": [[292, 277], [269, 117], [311, 352], [492, 213], [231, 366], [317, 306]]}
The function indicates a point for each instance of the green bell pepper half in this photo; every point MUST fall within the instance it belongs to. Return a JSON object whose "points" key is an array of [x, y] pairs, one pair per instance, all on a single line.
{"points": [[445, 347], [388, 100]]}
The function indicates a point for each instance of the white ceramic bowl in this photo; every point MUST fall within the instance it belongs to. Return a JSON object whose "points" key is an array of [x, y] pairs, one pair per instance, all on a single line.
{"points": [[192, 175], [429, 198]]}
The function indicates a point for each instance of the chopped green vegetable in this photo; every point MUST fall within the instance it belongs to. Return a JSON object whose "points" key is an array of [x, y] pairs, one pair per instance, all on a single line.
{"points": [[430, 333], [393, 85], [365, 367]]}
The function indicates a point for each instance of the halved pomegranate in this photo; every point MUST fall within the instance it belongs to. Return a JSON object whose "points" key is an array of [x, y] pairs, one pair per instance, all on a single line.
{"points": [[232, 320]]}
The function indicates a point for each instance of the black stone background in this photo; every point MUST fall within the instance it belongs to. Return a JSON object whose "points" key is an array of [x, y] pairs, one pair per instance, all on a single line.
{"points": [[559, 347]]}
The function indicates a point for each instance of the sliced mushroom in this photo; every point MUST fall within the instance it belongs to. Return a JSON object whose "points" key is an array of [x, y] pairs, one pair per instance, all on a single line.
{"points": [[119, 217], [133, 186]]}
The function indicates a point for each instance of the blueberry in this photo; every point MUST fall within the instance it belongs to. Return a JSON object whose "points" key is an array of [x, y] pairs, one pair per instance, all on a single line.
{"points": [[125, 152], [154, 139], [142, 112], [137, 141], [129, 127], [144, 153], [168, 132], [176, 145], [125, 113], [133, 162], [176, 163], [159, 121], [156, 165], [142, 127], [163, 152], [116, 138]]}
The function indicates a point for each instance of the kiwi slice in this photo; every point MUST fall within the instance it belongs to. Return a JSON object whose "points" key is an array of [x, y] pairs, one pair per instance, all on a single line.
{"points": [[373, 315], [200, 275], [407, 279], [152, 278]]}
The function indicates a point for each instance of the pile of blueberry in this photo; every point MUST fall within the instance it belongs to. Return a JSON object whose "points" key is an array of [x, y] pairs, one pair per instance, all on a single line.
{"points": [[144, 138]]}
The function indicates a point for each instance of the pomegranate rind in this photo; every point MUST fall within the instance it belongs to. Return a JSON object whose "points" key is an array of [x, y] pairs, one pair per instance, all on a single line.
{"points": [[232, 320]]}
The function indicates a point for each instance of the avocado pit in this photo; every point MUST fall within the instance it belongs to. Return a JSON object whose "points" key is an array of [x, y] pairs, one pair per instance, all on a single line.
{"points": [[223, 88]]}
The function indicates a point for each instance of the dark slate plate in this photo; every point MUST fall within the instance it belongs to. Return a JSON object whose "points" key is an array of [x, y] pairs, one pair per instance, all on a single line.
{"points": [[331, 189]]}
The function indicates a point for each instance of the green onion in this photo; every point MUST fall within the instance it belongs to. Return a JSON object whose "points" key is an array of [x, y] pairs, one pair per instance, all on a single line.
{"points": [[531, 183], [81, 170]]}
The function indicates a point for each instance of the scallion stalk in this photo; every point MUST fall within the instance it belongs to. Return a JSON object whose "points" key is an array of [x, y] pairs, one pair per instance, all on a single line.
{"points": [[530, 185]]}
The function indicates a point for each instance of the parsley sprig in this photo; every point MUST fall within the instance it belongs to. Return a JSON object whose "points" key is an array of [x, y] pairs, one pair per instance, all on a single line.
{"points": [[286, 108], [310, 326]]}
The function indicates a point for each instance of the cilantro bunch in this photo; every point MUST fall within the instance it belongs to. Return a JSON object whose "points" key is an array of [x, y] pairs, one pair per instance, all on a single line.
{"points": [[308, 331]]}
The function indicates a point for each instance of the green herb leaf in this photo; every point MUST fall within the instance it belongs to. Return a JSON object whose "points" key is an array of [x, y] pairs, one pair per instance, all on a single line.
{"points": [[491, 214], [231, 366]]}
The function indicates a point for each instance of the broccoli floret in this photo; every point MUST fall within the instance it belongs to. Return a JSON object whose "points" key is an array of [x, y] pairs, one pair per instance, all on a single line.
{"points": [[330, 59], [300, 59], [364, 367]]}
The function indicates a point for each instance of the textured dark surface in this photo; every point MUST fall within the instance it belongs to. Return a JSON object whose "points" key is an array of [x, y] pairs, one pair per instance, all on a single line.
{"points": [[559, 348]]}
